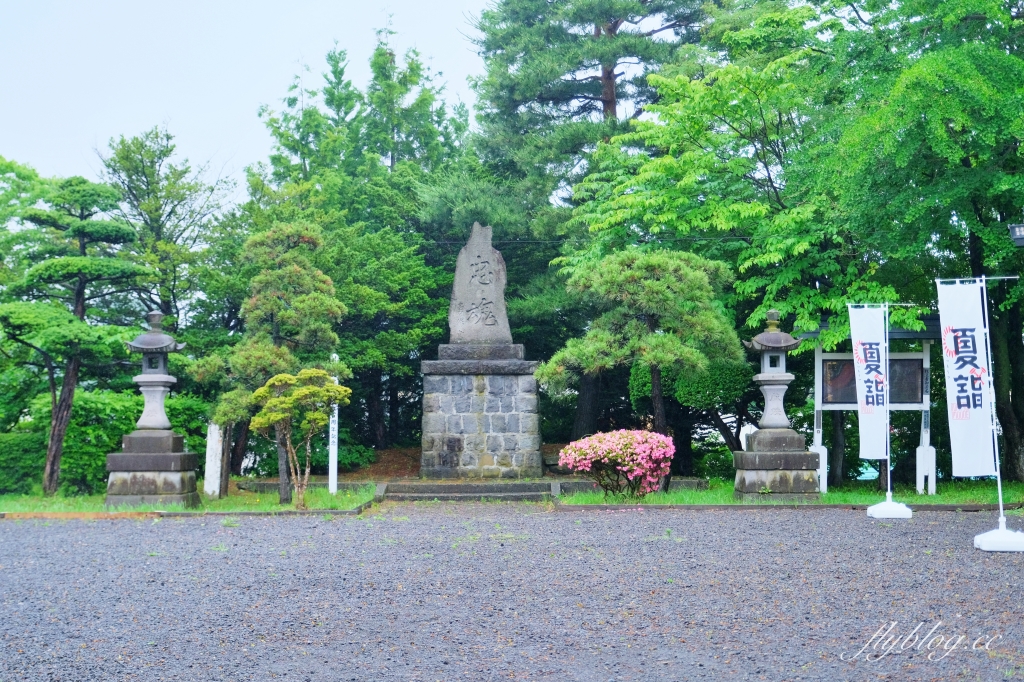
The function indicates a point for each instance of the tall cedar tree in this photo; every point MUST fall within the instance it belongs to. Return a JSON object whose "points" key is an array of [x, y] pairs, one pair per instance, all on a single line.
{"points": [[560, 77], [354, 163]]}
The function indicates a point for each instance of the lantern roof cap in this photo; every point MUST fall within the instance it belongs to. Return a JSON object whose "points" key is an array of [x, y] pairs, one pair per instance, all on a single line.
{"points": [[155, 340], [772, 338]]}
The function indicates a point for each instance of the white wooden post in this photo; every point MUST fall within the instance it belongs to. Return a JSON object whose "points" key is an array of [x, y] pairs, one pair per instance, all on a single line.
{"points": [[817, 446], [214, 445], [332, 446], [925, 451]]}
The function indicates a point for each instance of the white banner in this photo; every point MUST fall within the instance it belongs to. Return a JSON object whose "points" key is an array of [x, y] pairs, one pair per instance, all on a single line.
{"points": [[871, 366], [968, 377]]}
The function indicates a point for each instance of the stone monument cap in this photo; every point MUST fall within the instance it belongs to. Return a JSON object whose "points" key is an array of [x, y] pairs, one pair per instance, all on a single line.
{"points": [[477, 313]]}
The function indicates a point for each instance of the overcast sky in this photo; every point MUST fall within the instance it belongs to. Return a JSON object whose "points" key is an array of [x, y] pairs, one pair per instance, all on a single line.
{"points": [[74, 73]]}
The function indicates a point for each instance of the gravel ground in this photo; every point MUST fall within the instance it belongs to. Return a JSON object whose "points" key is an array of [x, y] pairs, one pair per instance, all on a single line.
{"points": [[489, 591]]}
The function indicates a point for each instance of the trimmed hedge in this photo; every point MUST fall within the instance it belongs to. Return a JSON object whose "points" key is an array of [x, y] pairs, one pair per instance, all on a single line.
{"points": [[22, 458], [99, 419]]}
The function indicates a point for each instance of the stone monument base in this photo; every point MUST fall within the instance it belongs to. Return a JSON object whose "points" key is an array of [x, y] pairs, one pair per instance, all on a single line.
{"points": [[152, 469], [776, 467], [480, 413]]}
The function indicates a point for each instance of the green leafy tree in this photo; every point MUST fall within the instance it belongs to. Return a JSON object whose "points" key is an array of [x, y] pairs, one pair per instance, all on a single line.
{"points": [[355, 163], [562, 75], [403, 118], [297, 406], [170, 207], [662, 313], [20, 187], [289, 318], [395, 312], [76, 265]]}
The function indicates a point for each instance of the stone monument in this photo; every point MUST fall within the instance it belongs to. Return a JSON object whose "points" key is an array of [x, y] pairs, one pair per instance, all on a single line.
{"points": [[480, 397], [153, 467], [776, 464]]}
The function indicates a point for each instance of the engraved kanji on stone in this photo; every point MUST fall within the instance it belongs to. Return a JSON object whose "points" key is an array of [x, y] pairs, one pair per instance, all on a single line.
{"points": [[481, 312], [482, 273]]}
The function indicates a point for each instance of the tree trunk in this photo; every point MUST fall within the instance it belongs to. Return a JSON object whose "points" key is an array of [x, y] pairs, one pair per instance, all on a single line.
{"points": [[587, 406], [682, 438], [731, 438], [284, 484], [609, 101], [394, 419], [1015, 459], [59, 421], [658, 401], [838, 454], [609, 97], [225, 459], [239, 448], [375, 409], [1004, 346]]}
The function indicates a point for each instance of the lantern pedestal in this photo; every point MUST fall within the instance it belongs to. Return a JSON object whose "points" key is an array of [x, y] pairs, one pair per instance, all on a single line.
{"points": [[776, 466], [153, 467], [154, 389]]}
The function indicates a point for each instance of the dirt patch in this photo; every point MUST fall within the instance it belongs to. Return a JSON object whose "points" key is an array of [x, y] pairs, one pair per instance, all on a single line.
{"points": [[391, 464]]}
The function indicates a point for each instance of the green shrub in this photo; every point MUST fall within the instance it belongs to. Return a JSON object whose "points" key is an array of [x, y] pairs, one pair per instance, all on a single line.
{"points": [[351, 456], [22, 458], [354, 456], [98, 421], [716, 461]]}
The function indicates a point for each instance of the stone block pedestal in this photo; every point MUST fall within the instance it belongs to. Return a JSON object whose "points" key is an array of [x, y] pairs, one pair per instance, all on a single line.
{"points": [[480, 413], [776, 466], [152, 469]]}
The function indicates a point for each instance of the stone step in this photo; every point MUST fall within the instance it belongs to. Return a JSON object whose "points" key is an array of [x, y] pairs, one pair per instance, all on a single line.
{"points": [[469, 497], [678, 483], [462, 487], [271, 486]]}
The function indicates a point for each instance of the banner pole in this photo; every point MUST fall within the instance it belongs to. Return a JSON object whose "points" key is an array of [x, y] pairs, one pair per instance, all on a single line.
{"points": [[887, 509], [888, 429], [992, 395], [1001, 539]]}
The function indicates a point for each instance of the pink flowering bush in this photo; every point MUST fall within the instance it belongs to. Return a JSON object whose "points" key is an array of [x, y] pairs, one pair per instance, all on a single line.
{"points": [[630, 463]]}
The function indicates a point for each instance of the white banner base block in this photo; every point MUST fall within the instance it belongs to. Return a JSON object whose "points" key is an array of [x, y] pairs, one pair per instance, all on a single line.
{"points": [[890, 510], [925, 469], [822, 452], [1001, 539]]}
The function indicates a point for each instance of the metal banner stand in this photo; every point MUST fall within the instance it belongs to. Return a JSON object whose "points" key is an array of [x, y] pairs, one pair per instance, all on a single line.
{"points": [[1001, 539]]}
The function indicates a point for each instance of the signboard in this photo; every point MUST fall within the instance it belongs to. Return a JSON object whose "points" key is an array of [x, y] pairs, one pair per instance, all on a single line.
{"points": [[968, 368], [871, 370], [839, 383]]}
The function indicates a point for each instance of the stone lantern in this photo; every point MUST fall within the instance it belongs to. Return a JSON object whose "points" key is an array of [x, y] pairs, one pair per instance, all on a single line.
{"points": [[776, 464], [153, 467], [154, 382]]}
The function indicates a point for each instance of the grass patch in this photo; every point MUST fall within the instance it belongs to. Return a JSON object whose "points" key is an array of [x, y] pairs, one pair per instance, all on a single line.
{"points": [[237, 501], [720, 491]]}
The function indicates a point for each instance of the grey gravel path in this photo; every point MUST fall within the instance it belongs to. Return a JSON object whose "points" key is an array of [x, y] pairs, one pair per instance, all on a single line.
{"points": [[505, 591]]}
